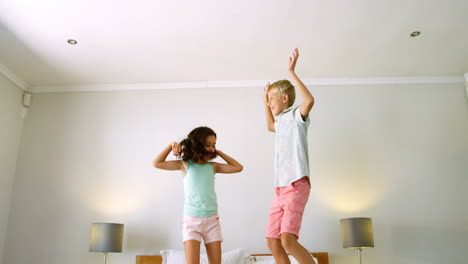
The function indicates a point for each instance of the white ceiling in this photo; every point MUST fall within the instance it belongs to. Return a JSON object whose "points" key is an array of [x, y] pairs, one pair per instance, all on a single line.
{"points": [[154, 41]]}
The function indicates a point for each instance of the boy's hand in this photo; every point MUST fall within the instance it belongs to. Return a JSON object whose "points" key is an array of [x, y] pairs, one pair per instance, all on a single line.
{"points": [[265, 94], [175, 148], [293, 60]]}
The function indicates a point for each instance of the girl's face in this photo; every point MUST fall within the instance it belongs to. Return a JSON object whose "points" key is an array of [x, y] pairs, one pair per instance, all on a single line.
{"points": [[210, 144]]}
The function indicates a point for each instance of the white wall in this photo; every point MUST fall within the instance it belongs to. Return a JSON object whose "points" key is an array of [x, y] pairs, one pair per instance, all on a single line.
{"points": [[396, 153], [10, 133]]}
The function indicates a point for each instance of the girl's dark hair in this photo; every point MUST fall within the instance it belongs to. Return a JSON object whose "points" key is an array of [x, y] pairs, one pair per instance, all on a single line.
{"points": [[193, 147]]}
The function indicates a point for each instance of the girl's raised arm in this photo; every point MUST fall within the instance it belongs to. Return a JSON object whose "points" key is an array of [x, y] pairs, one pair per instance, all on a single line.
{"points": [[161, 163], [232, 165]]}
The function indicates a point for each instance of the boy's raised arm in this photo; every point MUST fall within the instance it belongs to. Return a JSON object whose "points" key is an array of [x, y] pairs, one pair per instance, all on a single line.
{"points": [[308, 99]]}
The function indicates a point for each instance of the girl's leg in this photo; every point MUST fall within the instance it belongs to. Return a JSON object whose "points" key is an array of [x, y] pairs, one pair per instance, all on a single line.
{"points": [[280, 255], [290, 243], [213, 250], [192, 251]]}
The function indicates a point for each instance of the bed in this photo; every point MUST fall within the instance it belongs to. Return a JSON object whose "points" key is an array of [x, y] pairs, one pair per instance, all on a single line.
{"points": [[320, 257]]}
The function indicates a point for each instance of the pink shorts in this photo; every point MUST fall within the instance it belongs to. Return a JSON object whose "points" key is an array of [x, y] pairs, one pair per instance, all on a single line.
{"points": [[287, 208], [196, 228]]}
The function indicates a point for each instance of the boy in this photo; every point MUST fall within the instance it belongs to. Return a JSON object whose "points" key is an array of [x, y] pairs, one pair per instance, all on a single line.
{"points": [[291, 178]]}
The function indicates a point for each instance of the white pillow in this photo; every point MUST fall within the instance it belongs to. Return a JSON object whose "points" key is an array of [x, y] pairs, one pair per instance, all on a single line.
{"points": [[235, 256], [271, 260], [294, 261], [262, 260], [173, 256]]}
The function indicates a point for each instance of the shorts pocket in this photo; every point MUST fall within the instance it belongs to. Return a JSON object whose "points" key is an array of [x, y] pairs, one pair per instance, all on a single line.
{"points": [[301, 185]]}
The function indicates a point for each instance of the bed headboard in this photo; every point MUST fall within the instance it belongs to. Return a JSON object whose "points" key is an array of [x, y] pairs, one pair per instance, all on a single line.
{"points": [[322, 258], [148, 259]]}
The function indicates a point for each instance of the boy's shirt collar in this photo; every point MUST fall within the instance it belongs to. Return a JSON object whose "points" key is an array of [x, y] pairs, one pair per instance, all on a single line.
{"points": [[287, 110]]}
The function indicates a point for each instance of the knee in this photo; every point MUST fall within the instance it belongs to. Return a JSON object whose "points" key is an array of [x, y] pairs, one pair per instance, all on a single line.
{"points": [[288, 242], [269, 243], [273, 243]]}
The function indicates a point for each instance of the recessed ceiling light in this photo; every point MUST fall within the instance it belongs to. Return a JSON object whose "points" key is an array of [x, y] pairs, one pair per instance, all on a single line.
{"points": [[415, 34], [72, 42]]}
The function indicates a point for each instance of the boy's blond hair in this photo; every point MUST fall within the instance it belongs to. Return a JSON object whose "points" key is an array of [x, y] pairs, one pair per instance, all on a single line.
{"points": [[283, 87]]}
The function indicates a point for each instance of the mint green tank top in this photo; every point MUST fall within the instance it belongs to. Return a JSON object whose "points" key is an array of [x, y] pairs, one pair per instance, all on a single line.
{"points": [[199, 190]]}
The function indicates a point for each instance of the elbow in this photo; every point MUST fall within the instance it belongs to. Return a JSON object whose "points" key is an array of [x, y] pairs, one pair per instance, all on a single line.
{"points": [[310, 103], [157, 164], [240, 168], [306, 106]]}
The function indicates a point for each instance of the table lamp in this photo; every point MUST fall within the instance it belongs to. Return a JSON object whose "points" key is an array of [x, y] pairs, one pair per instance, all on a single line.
{"points": [[357, 233], [106, 237]]}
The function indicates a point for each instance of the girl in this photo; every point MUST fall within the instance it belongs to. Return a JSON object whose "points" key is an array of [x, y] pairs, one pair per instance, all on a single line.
{"points": [[201, 218]]}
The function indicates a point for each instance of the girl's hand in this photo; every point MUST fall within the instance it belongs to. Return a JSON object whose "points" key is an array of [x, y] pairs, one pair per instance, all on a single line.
{"points": [[265, 94], [293, 60], [175, 148]]}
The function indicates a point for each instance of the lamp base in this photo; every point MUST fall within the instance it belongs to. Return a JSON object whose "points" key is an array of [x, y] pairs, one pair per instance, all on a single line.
{"points": [[360, 255]]}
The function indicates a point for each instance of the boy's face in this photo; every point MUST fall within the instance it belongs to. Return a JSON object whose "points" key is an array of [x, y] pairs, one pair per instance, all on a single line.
{"points": [[277, 102]]}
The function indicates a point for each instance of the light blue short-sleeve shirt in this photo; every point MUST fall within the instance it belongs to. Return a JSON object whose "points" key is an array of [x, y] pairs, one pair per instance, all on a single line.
{"points": [[291, 148]]}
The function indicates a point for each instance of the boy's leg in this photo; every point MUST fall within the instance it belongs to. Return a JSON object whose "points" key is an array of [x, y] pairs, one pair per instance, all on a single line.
{"points": [[280, 255], [295, 197], [213, 250], [273, 230], [290, 243], [192, 251]]}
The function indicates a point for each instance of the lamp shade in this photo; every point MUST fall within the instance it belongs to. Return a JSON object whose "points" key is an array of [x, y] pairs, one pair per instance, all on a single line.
{"points": [[106, 237], [357, 232]]}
